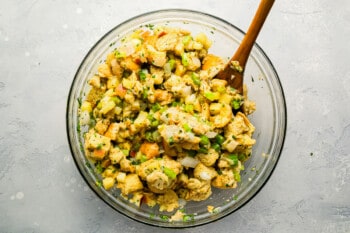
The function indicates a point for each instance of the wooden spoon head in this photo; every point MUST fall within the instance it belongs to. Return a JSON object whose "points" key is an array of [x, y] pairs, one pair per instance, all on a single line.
{"points": [[233, 77]]}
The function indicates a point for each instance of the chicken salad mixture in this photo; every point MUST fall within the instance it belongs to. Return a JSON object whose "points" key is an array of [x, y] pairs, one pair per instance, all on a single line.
{"points": [[159, 126]]}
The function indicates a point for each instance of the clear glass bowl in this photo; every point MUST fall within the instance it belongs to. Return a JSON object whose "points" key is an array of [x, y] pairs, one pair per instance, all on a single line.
{"points": [[269, 119]]}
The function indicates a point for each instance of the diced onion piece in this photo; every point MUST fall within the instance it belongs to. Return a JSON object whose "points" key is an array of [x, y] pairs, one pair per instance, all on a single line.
{"points": [[211, 134], [205, 176], [189, 162]]}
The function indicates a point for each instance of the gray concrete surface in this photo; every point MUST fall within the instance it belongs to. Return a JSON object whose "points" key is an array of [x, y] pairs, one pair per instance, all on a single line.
{"points": [[42, 44]]}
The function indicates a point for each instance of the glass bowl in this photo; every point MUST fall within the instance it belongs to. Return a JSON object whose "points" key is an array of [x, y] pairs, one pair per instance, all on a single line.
{"points": [[269, 119]]}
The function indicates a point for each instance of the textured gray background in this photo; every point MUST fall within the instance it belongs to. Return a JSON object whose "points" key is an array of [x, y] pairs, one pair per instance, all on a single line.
{"points": [[42, 44]]}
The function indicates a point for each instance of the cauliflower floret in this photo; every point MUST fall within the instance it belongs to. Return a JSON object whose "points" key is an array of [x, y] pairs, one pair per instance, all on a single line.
{"points": [[225, 180], [208, 159], [168, 202], [203, 172], [132, 184]]}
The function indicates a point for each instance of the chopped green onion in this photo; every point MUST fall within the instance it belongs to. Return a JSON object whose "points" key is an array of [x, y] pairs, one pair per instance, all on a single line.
{"points": [[186, 40], [188, 217], [164, 217], [234, 159], [221, 89], [155, 107], [169, 172], [149, 136], [156, 136], [212, 95], [188, 108], [116, 100], [150, 117], [204, 140], [99, 168], [125, 152], [155, 123], [236, 104], [237, 176], [216, 147], [219, 139], [241, 157], [143, 158], [195, 79], [142, 74], [175, 103], [98, 183], [145, 94], [99, 105], [184, 59], [187, 128]]}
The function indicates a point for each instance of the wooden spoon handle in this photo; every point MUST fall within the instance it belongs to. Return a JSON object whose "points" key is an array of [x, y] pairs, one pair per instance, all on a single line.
{"points": [[248, 41]]}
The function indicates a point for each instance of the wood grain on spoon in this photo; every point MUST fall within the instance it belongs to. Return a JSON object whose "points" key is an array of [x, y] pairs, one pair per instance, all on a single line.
{"points": [[235, 76]]}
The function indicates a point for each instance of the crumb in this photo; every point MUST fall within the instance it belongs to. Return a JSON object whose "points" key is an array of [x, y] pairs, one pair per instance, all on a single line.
{"points": [[210, 208]]}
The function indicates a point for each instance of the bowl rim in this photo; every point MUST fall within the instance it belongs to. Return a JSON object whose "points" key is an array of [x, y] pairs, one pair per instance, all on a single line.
{"points": [[71, 92]]}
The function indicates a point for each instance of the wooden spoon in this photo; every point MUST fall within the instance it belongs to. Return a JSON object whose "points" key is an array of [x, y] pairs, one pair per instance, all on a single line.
{"points": [[233, 73]]}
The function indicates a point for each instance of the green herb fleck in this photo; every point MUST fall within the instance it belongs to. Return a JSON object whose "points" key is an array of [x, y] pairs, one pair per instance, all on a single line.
{"points": [[98, 183], [79, 101], [164, 217]]}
